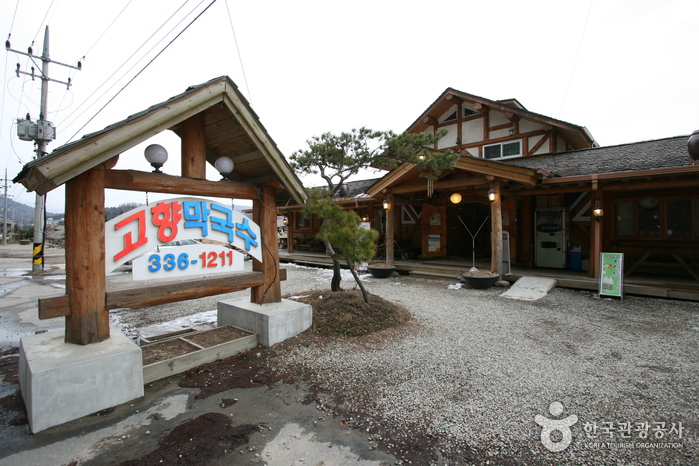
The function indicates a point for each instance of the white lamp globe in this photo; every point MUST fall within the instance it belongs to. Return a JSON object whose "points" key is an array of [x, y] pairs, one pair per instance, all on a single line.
{"points": [[224, 165], [156, 155]]}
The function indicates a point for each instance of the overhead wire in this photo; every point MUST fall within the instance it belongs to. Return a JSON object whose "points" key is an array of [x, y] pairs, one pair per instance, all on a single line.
{"points": [[73, 71], [575, 63], [98, 88], [240, 58], [143, 69]]}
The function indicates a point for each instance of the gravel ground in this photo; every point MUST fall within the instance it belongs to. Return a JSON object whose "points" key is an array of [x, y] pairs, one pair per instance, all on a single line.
{"points": [[463, 381]]}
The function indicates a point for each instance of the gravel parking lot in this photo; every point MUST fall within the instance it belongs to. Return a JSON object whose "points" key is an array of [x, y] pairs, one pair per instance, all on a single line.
{"points": [[464, 381]]}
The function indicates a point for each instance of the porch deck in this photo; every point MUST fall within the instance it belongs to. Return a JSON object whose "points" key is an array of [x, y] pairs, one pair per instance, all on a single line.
{"points": [[660, 286]]}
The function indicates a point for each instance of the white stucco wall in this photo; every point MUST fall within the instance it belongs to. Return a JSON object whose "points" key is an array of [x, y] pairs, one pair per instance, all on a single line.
{"points": [[472, 131], [449, 140]]}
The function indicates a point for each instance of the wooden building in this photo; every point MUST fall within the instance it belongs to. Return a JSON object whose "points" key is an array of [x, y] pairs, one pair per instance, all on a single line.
{"points": [[544, 185]]}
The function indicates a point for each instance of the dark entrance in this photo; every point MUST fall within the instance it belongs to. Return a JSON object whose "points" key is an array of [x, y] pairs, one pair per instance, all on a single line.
{"points": [[460, 242]]}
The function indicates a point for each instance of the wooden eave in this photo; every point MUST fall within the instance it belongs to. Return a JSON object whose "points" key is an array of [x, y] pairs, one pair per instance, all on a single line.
{"points": [[626, 176], [232, 129], [404, 178], [577, 135]]}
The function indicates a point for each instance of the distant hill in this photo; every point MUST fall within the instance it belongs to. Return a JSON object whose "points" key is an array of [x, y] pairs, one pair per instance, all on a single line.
{"points": [[23, 214]]}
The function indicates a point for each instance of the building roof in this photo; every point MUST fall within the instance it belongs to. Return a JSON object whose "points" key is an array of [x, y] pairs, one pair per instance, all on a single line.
{"points": [[232, 129], [645, 155], [578, 136]]}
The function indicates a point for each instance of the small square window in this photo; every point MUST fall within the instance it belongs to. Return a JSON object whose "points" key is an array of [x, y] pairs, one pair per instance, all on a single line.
{"points": [[511, 149], [492, 152]]}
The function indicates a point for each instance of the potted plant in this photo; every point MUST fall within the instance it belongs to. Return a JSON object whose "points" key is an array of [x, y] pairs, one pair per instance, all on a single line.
{"points": [[480, 279], [381, 270]]}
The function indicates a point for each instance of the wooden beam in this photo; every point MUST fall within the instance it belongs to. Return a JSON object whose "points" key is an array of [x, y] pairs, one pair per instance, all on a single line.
{"points": [[496, 228], [264, 213], [390, 229], [133, 180], [88, 321], [138, 297], [538, 145], [449, 184], [193, 135]]}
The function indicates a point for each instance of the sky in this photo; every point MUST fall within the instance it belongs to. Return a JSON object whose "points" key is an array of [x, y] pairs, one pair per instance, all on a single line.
{"points": [[625, 69]]}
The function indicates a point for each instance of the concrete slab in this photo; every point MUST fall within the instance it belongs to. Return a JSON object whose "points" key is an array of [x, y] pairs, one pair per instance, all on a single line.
{"points": [[61, 382], [530, 288], [273, 322]]}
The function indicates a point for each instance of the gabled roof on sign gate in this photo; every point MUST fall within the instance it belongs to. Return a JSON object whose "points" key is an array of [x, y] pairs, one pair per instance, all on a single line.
{"points": [[232, 129]]}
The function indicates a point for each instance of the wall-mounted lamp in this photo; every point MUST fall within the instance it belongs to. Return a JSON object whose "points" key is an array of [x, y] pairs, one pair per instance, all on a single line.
{"points": [[512, 131], [597, 212], [455, 198], [491, 195], [421, 156], [365, 219], [386, 204], [156, 155], [224, 165]]}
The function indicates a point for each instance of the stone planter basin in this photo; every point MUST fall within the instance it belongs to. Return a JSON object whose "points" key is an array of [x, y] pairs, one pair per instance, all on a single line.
{"points": [[381, 271], [480, 280]]}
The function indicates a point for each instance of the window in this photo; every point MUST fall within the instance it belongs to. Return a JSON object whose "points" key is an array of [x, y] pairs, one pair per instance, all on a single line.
{"points": [[650, 217], [468, 112], [624, 219], [450, 117], [503, 150], [303, 222], [679, 218]]}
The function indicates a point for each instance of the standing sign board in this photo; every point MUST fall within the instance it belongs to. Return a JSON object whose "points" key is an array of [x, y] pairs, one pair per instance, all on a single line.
{"points": [[140, 231], [611, 274]]}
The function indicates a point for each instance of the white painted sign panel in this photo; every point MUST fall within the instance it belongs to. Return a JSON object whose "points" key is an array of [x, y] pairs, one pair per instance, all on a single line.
{"points": [[141, 230], [182, 261]]}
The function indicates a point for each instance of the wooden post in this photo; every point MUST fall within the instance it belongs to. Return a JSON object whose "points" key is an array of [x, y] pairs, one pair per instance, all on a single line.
{"points": [[496, 223], [526, 232], [193, 134], [390, 230], [595, 234], [264, 212], [88, 321]]}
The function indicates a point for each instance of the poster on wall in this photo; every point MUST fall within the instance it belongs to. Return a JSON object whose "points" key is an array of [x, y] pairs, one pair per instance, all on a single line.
{"points": [[434, 243], [611, 276]]}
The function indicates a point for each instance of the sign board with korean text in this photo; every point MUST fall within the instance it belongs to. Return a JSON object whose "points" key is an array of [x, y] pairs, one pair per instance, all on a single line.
{"points": [[611, 274], [192, 259], [141, 230]]}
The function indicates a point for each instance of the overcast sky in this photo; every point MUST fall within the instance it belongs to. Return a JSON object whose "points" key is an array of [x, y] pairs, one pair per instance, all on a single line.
{"points": [[625, 69]]}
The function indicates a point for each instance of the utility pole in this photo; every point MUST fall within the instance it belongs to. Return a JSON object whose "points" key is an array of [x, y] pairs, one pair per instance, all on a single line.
{"points": [[41, 132], [4, 214]]}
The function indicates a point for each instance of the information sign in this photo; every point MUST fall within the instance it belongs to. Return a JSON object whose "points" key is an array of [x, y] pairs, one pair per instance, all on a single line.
{"points": [[611, 275], [142, 230]]}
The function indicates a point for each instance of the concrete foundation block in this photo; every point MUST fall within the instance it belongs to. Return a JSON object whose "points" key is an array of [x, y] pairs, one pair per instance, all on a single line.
{"points": [[61, 382], [273, 322]]}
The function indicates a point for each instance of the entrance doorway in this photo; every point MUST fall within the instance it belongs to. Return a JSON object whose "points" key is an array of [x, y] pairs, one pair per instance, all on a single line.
{"points": [[473, 216]]}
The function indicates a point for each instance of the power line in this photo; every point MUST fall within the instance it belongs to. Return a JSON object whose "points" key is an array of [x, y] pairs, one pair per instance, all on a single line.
{"points": [[120, 67], [575, 63], [143, 69], [108, 27], [240, 58], [42, 22]]}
